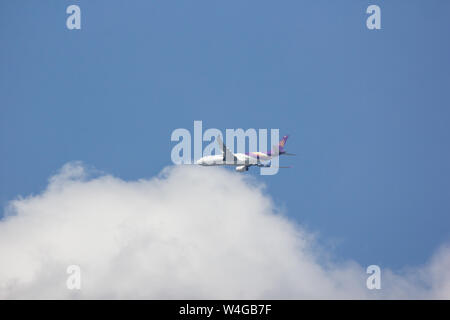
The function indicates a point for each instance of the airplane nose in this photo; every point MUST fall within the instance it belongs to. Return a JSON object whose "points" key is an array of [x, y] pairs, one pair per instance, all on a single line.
{"points": [[199, 162]]}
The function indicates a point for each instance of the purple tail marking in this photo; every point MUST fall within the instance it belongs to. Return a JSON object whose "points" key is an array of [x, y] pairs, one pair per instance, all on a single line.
{"points": [[280, 147], [282, 144]]}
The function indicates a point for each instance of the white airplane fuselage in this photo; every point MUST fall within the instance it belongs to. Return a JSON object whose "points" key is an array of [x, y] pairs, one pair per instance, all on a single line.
{"points": [[241, 159], [217, 160]]}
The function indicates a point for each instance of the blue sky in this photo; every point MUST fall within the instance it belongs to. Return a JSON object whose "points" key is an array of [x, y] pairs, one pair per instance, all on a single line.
{"points": [[367, 111]]}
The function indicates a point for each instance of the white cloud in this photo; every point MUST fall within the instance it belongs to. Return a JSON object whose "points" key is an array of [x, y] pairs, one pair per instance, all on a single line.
{"points": [[189, 233]]}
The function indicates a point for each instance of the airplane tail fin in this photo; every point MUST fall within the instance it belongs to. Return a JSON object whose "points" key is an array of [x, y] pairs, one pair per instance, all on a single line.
{"points": [[279, 149], [282, 144]]}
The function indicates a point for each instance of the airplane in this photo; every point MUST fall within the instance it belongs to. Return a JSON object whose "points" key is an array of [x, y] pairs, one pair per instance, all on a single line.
{"points": [[243, 161]]}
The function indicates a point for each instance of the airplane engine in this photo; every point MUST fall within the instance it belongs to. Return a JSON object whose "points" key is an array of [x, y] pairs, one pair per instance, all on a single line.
{"points": [[241, 168], [266, 164]]}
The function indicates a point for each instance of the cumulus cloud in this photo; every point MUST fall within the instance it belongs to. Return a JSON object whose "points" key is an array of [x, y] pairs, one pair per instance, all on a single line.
{"points": [[188, 233]]}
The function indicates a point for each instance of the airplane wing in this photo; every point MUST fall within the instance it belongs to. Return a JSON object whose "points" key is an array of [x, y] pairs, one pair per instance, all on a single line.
{"points": [[228, 156]]}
